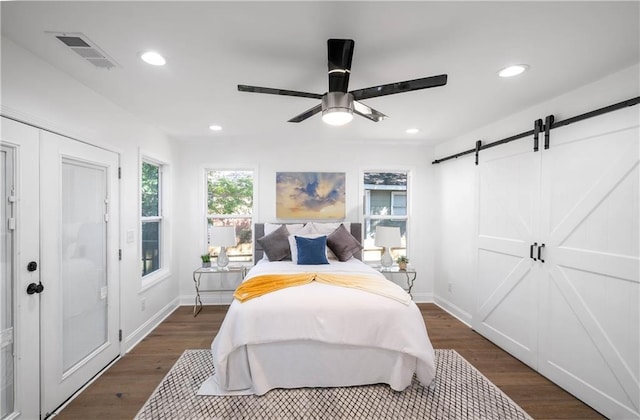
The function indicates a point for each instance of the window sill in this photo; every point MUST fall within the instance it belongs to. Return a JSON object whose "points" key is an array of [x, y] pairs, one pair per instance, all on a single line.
{"points": [[157, 277]]}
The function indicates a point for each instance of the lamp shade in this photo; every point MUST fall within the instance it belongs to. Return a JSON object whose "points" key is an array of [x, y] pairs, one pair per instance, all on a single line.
{"points": [[388, 236], [223, 236]]}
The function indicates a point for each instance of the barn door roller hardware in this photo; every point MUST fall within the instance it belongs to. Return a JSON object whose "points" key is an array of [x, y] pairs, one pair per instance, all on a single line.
{"points": [[549, 124], [537, 128]]}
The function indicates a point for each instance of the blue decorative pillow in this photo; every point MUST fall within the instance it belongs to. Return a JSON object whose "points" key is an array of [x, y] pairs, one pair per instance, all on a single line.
{"points": [[312, 251]]}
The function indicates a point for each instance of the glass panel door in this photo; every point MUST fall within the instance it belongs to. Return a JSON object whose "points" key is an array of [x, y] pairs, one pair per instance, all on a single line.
{"points": [[7, 362], [79, 253], [83, 268]]}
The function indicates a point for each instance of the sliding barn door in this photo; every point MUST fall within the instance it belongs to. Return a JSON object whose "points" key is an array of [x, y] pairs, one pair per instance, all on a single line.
{"points": [[590, 318], [79, 236], [570, 309], [507, 284]]}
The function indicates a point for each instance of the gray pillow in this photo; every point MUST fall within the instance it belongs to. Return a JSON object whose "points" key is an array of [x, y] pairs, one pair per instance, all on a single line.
{"points": [[343, 244], [276, 244]]}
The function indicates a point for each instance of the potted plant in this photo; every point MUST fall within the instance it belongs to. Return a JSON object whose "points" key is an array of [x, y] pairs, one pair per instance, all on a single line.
{"points": [[206, 260], [402, 262]]}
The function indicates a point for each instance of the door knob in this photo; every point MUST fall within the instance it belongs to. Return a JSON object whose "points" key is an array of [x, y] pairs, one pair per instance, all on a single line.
{"points": [[35, 288], [32, 266]]}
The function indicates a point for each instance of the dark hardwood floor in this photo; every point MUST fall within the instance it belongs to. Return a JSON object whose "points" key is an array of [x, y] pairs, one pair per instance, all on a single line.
{"points": [[122, 390]]}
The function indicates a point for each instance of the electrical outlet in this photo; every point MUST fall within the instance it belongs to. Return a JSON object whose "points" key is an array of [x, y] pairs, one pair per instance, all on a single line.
{"points": [[450, 287], [143, 304]]}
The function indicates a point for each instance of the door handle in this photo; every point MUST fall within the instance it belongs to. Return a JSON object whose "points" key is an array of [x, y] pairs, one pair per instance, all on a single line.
{"points": [[540, 253], [35, 288], [533, 245]]}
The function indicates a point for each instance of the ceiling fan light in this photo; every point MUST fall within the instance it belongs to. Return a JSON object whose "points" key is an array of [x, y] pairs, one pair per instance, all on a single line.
{"points": [[337, 116], [337, 108]]}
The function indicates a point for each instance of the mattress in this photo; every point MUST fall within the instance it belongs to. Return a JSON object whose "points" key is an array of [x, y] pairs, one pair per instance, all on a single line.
{"points": [[319, 335]]}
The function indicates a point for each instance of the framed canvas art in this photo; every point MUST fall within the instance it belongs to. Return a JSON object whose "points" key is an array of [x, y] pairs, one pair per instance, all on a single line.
{"points": [[310, 195]]}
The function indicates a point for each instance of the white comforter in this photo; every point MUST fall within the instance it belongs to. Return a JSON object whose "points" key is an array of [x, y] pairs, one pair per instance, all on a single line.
{"points": [[319, 313]]}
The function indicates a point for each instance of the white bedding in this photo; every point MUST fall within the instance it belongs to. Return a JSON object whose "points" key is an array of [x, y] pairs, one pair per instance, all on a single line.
{"points": [[314, 325]]}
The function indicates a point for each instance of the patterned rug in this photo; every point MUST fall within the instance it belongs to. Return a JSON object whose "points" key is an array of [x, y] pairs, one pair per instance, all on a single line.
{"points": [[459, 391]]}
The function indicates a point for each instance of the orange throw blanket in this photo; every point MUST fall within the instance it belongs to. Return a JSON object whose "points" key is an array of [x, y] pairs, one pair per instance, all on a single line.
{"points": [[261, 285]]}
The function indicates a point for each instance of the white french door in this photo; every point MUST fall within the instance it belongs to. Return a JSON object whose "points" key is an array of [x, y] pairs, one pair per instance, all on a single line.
{"points": [[573, 313], [20, 313], [79, 255]]}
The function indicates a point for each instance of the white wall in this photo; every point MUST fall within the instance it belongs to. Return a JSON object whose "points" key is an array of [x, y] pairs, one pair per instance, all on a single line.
{"points": [[39, 94], [456, 183], [266, 159]]}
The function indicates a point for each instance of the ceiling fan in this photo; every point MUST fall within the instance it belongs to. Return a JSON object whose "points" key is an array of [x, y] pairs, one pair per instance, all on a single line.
{"points": [[338, 104]]}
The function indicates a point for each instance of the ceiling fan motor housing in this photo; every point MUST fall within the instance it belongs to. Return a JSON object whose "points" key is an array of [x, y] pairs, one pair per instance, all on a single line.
{"points": [[337, 103]]}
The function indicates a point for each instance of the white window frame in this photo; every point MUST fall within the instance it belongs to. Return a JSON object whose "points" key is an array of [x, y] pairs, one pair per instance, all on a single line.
{"points": [[164, 270], [252, 217], [366, 202]]}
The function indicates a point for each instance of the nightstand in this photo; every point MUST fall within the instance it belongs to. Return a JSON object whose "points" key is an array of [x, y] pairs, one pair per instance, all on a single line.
{"points": [[238, 271], [394, 272]]}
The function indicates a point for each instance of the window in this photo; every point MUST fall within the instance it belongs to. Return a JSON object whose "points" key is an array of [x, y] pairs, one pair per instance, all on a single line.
{"points": [[385, 204], [230, 203], [151, 216]]}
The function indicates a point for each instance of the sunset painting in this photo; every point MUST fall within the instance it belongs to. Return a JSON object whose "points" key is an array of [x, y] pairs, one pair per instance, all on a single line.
{"points": [[310, 195]]}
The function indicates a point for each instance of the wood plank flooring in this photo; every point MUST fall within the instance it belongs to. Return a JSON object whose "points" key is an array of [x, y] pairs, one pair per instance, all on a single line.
{"points": [[121, 391]]}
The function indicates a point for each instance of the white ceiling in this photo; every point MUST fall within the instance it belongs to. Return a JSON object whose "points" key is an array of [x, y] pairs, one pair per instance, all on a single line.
{"points": [[211, 47]]}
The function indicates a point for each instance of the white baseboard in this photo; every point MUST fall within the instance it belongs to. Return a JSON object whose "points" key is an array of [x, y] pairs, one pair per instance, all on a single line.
{"points": [[419, 297], [208, 298], [454, 310], [139, 334]]}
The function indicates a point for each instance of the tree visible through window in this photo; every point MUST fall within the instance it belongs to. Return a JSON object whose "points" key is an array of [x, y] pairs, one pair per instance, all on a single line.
{"points": [[230, 203], [385, 204], [151, 216]]}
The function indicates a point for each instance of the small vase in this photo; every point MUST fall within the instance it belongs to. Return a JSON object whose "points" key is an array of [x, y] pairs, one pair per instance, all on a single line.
{"points": [[206, 264], [402, 266]]}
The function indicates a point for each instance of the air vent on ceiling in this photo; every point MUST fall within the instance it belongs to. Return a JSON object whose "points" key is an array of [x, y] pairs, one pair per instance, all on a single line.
{"points": [[85, 48]]}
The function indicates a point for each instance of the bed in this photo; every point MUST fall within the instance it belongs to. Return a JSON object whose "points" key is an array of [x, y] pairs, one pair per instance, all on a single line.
{"points": [[318, 334]]}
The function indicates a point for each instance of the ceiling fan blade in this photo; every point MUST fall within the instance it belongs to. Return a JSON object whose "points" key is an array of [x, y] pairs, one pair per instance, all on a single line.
{"points": [[340, 53], [367, 112], [272, 91], [306, 114], [399, 87]]}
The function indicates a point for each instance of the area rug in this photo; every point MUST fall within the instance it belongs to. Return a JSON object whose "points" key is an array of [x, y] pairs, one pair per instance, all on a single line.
{"points": [[459, 391]]}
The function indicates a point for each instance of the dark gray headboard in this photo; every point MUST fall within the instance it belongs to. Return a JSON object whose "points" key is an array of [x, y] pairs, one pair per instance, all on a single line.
{"points": [[258, 232]]}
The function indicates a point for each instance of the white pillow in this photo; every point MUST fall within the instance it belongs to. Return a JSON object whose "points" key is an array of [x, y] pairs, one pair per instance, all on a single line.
{"points": [[292, 228], [329, 227]]}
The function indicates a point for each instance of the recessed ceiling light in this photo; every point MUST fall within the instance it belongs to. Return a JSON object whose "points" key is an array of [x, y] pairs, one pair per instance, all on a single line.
{"points": [[214, 127], [153, 58], [412, 131], [513, 70]]}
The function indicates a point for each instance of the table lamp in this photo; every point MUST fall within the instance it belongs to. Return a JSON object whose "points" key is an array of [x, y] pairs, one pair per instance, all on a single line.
{"points": [[387, 237], [223, 236]]}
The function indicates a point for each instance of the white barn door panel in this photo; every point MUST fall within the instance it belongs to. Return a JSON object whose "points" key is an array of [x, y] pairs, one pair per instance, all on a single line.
{"points": [[590, 337], [575, 314], [508, 194]]}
